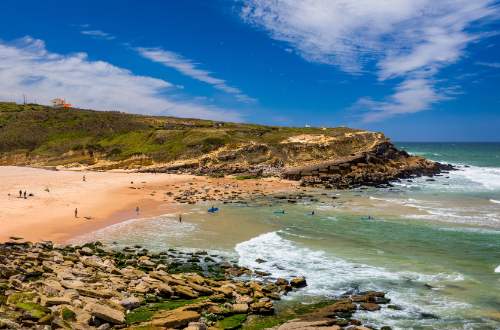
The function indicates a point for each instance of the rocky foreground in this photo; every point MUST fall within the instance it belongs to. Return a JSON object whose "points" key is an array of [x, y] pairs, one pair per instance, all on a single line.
{"points": [[43, 286]]}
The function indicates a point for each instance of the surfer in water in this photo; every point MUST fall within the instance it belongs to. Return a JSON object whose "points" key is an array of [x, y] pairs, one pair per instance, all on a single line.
{"points": [[213, 209]]}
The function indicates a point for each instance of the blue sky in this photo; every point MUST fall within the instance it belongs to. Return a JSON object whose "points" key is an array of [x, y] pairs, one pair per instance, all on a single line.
{"points": [[414, 69]]}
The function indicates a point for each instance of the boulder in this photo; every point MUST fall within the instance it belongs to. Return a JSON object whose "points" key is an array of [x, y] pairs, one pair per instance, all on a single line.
{"points": [[281, 282], [97, 293], [175, 319], [262, 307], [131, 302], [196, 326], [371, 307], [202, 289], [8, 324], [239, 308], [326, 324], [54, 301], [185, 292], [107, 313], [298, 282]]}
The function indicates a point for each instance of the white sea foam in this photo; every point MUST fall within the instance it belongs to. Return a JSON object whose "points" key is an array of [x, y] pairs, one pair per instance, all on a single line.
{"points": [[472, 230], [488, 177], [329, 276], [154, 232], [494, 201], [326, 274], [497, 270], [464, 179], [438, 211]]}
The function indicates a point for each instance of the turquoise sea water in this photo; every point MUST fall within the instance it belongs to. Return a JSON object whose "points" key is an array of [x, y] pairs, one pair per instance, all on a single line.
{"points": [[432, 245]]}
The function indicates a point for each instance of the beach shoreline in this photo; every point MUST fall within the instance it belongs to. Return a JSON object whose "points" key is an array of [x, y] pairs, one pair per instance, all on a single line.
{"points": [[103, 199]]}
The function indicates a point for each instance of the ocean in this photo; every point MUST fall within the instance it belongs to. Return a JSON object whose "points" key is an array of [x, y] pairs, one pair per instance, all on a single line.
{"points": [[433, 244]]}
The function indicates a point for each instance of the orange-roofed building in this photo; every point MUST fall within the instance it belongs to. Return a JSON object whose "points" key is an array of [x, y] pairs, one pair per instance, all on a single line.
{"points": [[60, 103]]}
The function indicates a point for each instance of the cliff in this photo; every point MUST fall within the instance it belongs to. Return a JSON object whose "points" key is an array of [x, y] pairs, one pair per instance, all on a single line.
{"points": [[35, 135]]}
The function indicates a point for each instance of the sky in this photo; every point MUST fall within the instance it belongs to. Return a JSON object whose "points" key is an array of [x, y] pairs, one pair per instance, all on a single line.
{"points": [[417, 70]]}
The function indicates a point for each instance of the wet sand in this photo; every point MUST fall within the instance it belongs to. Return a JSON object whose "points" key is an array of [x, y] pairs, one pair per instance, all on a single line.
{"points": [[103, 199]]}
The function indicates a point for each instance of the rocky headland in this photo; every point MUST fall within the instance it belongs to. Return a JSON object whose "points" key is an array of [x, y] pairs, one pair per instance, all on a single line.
{"points": [[45, 286], [340, 157]]}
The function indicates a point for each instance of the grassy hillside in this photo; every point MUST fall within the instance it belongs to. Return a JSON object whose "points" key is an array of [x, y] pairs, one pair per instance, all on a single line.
{"points": [[35, 133]]}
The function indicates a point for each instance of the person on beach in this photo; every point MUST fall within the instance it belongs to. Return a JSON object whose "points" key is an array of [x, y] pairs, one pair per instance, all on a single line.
{"points": [[20, 194], [137, 210], [76, 212], [312, 213], [25, 194], [180, 218], [84, 179]]}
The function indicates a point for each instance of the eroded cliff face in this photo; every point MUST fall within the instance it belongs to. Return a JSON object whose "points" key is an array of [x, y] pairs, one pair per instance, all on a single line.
{"points": [[379, 165], [354, 159]]}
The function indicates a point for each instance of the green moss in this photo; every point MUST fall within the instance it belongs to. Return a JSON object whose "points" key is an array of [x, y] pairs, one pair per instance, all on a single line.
{"points": [[67, 314], [35, 311], [185, 267], [292, 311], [232, 322], [19, 297], [144, 327], [145, 313], [3, 286]]}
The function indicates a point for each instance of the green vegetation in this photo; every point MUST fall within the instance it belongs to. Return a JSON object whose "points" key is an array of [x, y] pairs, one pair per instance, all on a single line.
{"points": [[33, 310], [232, 322], [67, 136], [20, 297], [286, 314], [145, 313], [246, 177], [68, 314]]}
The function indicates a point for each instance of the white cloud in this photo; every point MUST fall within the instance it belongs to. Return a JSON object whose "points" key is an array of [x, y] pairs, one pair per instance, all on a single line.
{"points": [[27, 67], [406, 39], [413, 95], [494, 65], [98, 34], [190, 69]]}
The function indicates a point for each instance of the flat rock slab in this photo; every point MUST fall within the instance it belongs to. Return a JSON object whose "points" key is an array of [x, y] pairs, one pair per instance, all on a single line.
{"points": [[54, 301], [176, 319], [107, 313], [308, 325]]}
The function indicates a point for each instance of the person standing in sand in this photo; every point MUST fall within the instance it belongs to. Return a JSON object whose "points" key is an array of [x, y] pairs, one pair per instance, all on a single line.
{"points": [[20, 194], [76, 212], [137, 210], [25, 194], [84, 178], [180, 218]]}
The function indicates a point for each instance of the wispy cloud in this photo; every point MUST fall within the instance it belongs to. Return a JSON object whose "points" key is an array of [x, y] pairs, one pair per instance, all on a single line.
{"points": [[27, 67], [412, 95], [407, 40], [494, 65], [98, 34], [191, 69]]}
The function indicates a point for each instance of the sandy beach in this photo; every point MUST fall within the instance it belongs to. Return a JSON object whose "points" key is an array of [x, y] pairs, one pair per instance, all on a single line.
{"points": [[104, 198]]}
